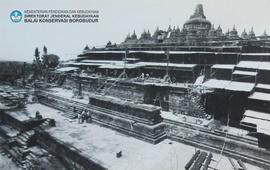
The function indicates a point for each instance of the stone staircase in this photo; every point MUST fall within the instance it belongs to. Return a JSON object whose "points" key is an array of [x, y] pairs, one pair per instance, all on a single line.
{"points": [[16, 148], [67, 109], [264, 88], [259, 100], [243, 75], [47, 123]]}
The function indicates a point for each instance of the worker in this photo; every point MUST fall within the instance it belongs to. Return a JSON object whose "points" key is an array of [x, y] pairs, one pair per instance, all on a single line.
{"points": [[147, 76], [83, 115], [74, 109], [79, 117], [88, 116], [38, 115], [142, 76]]}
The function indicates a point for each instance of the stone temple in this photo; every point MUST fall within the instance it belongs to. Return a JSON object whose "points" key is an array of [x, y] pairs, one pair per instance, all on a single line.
{"points": [[190, 98], [196, 31]]}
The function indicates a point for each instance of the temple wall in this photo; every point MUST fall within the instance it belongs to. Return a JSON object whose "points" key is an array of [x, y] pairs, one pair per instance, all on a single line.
{"points": [[222, 103], [167, 98], [131, 92], [176, 100], [122, 90], [260, 105], [258, 57], [180, 103], [147, 114], [68, 83], [264, 140], [89, 85], [263, 76], [153, 134], [184, 58], [104, 56]]}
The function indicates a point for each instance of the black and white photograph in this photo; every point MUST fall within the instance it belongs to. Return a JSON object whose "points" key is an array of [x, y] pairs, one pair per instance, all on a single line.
{"points": [[135, 85]]}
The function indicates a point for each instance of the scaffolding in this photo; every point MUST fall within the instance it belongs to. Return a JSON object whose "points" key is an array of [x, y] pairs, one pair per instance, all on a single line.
{"points": [[167, 78], [106, 86]]}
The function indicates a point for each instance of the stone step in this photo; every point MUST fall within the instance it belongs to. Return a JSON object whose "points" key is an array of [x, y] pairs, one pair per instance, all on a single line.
{"points": [[70, 115], [25, 135], [45, 124], [29, 157], [13, 154], [20, 151], [29, 163], [61, 99], [67, 110], [32, 155], [46, 121], [25, 148], [67, 100], [30, 132], [20, 141], [23, 138], [52, 104], [6, 150], [67, 113], [265, 88], [26, 164]]}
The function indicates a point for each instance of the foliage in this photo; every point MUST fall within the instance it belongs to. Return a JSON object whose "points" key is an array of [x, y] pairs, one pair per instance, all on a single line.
{"points": [[41, 65], [47, 60], [50, 61], [11, 71], [45, 50]]}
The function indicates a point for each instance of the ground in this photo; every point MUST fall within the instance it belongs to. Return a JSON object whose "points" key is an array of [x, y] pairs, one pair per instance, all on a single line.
{"points": [[7, 164], [101, 145]]}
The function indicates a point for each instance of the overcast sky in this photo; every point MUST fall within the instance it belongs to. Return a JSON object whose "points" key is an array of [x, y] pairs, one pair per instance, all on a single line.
{"points": [[117, 19]]}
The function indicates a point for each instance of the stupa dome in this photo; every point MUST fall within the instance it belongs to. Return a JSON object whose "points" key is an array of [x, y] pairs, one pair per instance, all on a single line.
{"points": [[198, 17]]}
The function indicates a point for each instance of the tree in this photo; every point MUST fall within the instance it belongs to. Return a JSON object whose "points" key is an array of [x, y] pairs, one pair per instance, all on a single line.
{"points": [[41, 65], [50, 61], [37, 57], [45, 50], [36, 53], [37, 65]]}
